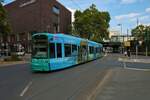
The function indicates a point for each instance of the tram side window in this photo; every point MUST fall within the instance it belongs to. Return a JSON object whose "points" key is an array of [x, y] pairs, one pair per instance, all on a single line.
{"points": [[52, 50], [59, 50], [94, 49], [100, 50], [74, 50], [97, 50], [78, 49], [67, 50], [91, 49]]}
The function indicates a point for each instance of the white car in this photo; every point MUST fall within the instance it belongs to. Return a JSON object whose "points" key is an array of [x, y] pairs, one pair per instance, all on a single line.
{"points": [[20, 53]]}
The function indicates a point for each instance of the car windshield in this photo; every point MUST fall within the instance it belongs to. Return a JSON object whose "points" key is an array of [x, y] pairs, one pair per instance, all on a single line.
{"points": [[40, 46]]}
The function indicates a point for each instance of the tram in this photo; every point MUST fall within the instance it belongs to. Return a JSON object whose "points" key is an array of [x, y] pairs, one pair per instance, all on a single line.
{"points": [[58, 51]]}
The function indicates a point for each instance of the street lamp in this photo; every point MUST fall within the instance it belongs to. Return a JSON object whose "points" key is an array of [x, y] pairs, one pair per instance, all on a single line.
{"points": [[138, 43], [120, 28], [146, 42], [120, 36]]}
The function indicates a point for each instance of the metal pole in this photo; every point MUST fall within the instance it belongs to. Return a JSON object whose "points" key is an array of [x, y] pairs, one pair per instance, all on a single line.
{"points": [[146, 43], [137, 21], [123, 38], [121, 28], [136, 51], [127, 34], [146, 50]]}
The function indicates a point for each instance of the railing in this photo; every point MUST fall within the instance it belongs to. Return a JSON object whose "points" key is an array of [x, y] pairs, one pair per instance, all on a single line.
{"points": [[140, 53]]}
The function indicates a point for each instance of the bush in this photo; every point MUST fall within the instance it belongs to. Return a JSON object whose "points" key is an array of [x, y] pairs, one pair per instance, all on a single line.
{"points": [[12, 58], [15, 58]]}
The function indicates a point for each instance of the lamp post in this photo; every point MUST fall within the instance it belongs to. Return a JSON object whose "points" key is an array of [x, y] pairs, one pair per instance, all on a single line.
{"points": [[120, 28], [146, 40], [120, 36], [136, 47], [146, 48], [138, 43]]}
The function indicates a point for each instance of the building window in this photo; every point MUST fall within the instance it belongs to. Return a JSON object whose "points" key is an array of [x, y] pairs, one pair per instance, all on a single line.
{"points": [[56, 19], [67, 50], [52, 50], [59, 50], [56, 10]]}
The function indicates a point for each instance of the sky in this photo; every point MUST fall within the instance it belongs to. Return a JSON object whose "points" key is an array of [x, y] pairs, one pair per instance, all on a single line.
{"points": [[124, 12]]}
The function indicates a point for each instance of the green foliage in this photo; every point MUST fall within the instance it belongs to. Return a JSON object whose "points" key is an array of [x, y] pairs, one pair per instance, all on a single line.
{"points": [[4, 24], [141, 32], [13, 57], [138, 32], [91, 24]]}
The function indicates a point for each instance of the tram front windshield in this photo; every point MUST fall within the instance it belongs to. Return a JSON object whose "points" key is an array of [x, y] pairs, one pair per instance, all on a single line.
{"points": [[40, 46]]}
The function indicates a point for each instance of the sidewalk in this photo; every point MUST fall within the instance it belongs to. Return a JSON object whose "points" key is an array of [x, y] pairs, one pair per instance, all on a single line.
{"points": [[25, 59], [126, 85], [3, 64], [133, 58]]}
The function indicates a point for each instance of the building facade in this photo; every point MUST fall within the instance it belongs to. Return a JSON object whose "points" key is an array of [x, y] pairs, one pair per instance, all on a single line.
{"points": [[113, 33], [30, 16]]}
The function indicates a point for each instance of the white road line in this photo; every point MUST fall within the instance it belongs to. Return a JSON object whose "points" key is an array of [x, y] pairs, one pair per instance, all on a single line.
{"points": [[146, 61], [136, 69], [25, 89], [124, 65], [94, 93]]}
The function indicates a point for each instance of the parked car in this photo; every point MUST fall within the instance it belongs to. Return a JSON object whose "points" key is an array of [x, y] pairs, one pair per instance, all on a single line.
{"points": [[20, 53]]}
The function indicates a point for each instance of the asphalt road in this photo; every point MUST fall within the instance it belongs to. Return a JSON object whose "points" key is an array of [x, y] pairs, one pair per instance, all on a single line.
{"points": [[126, 85], [96, 80]]}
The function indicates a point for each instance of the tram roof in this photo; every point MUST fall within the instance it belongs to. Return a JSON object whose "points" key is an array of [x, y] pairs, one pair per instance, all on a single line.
{"points": [[70, 38]]}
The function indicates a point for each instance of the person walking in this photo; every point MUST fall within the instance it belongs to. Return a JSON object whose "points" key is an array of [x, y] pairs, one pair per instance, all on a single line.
{"points": [[125, 53], [128, 53]]}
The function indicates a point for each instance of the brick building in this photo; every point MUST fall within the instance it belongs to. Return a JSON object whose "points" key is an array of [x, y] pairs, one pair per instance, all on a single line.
{"points": [[29, 16]]}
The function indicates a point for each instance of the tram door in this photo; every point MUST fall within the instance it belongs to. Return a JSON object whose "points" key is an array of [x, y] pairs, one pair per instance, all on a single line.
{"points": [[83, 52]]}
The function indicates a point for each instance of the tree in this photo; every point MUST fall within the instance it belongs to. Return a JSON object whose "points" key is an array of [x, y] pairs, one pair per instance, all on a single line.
{"points": [[139, 32], [4, 25], [142, 33], [91, 24]]}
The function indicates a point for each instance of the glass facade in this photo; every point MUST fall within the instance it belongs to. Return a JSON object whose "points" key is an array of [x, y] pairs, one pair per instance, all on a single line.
{"points": [[56, 10]]}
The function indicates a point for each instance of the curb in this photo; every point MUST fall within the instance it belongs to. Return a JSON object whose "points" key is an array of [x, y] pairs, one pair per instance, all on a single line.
{"points": [[135, 60], [4, 64]]}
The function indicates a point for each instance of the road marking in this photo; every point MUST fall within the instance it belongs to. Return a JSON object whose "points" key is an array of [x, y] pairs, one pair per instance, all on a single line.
{"points": [[132, 60], [146, 61], [25, 89], [124, 65], [93, 95], [136, 69]]}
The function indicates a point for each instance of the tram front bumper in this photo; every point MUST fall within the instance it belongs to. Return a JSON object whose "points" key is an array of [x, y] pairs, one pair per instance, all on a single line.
{"points": [[39, 67]]}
